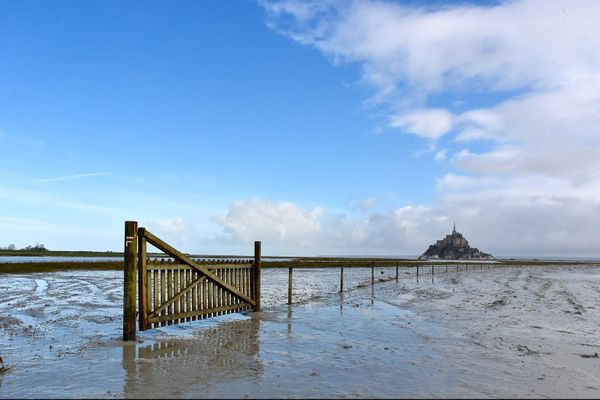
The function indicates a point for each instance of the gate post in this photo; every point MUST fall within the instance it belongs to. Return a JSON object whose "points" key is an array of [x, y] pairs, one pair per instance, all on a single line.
{"points": [[129, 275], [143, 289], [257, 274]]}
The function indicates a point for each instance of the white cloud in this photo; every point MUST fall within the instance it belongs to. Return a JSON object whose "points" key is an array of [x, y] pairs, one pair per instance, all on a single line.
{"points": [[441, 155], [430, 123], [505, 223], [277, 223], [528, 179]]}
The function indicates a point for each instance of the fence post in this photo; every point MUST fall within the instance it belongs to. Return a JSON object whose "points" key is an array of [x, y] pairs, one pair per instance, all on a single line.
{"points": [[417, 271], [396, 272], [372, 274], [143, 290], [341, 279], [129, 272], [290, 285], [257, 275]]}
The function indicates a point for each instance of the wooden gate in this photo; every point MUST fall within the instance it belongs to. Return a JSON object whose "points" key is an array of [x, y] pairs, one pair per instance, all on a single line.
{"points": [[182, 289]]}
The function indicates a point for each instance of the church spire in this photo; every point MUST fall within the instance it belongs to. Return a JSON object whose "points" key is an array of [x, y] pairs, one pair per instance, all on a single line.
{"points": [[454, 228]]}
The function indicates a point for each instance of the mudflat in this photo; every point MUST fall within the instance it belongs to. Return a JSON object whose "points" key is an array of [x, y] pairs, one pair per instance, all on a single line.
{"points": [[498, 332]]}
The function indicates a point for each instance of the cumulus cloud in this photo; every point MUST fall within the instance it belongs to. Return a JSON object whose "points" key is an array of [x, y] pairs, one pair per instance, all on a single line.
{"points": [[279, 223], [527, 176], [430, 124], [180, 231], [544, 53], [506, 224], [288, 227]]}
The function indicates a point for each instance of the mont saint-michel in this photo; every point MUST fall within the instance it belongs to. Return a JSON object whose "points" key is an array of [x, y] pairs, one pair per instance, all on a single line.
{"points": [[454, 247]]}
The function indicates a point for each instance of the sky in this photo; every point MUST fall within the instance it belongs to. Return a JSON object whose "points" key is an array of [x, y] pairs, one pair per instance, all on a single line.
{"points": [[318, 127]]}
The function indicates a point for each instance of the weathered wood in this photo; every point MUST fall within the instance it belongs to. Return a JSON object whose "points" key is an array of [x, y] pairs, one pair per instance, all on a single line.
{"points": [[190, 295], [173, 292], [257, 271], [290, 285], [153, 265], [155, 275], [129, 280], [417, 272], [341, 279], [170, 310], [163, 290], [182, 299], [176, 297], [142, 282], [195, 290], [372, 274], [396, 272], [203, 312], [161, 245]]}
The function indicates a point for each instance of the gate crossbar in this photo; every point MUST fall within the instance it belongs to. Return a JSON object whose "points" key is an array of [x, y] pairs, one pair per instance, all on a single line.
{"points": [[176, 297]]}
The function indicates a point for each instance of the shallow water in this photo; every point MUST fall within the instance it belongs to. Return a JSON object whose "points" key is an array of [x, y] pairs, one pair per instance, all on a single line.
{"points": [[499, 332]]}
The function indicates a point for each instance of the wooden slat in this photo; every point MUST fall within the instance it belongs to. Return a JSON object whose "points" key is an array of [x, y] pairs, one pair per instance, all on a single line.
{"points": [[148, 295], [175, 291], [155, 275], [205, 305], [163, 246], [239, 307], [194, 293], [219, 292], [211, 296], [169, 294], [154, 265], [163, 291], [180, 289], [167, 304], [188, 296]]}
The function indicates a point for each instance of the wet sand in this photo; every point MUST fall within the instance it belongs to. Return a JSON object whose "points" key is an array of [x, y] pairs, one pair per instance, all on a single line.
{"points": [[500, 332]]}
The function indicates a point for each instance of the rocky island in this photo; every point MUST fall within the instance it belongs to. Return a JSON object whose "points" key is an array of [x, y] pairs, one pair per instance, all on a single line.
{"points": [[454, 247]]}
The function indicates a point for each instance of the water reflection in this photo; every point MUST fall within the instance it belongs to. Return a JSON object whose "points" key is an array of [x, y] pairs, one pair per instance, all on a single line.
{"points": [[165, 367]]}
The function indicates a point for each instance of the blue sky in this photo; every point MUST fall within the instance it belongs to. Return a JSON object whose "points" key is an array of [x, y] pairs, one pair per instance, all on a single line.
{"points": [[218, 123]]}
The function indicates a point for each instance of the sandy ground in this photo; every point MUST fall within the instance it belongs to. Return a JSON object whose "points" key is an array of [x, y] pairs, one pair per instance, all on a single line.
{"points": [[500, 332]]}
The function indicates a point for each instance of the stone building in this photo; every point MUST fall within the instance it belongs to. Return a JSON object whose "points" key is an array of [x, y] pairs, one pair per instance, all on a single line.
{"points": [[454, 247]]}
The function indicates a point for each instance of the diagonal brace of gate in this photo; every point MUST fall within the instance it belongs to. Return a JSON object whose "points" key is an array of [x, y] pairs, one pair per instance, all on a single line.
{"points": [[161, 245], [176, 297]]}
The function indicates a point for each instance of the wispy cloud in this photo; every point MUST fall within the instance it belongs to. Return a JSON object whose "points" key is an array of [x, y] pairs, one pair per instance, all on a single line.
{"points": [[69, 177]]}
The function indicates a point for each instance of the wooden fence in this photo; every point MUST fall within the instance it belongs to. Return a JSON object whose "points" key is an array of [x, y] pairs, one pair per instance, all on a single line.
{"points": [[182, 289], [417, 269]]}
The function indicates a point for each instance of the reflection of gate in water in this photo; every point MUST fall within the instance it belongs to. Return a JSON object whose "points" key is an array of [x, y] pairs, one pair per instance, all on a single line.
{"points": [[192, 365], [182, 289]]}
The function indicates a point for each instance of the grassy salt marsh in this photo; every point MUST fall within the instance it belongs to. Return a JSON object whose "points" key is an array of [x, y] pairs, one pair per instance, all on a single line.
{"points": [[499, 332]]}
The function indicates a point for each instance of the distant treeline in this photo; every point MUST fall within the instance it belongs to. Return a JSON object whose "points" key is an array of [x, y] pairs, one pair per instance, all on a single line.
{"points": [[39, 247]]}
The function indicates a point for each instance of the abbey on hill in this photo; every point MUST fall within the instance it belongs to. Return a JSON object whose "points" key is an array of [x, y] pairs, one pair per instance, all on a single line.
{"points": [[454, 247]]}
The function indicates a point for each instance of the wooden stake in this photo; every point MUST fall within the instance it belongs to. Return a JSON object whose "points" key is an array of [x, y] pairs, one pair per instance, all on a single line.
{"points": [[290, 285], [257, 275], [396, 272], [372, 274], [129, 275], [341, 279]]}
